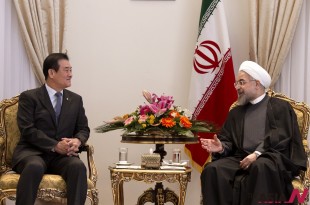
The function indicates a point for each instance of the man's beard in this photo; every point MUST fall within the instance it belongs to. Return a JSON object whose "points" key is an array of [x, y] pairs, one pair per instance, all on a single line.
{"points": [[242, 99]]}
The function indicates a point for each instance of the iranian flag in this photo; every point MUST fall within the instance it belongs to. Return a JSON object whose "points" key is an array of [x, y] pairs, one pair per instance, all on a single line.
{"points": [[212, 88]]}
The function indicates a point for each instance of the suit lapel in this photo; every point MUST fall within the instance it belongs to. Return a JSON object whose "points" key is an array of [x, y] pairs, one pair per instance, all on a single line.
{"points": [[46, 102]]}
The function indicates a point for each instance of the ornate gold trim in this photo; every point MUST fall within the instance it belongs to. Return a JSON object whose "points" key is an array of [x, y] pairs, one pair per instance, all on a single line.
{"points": [[4, 104]]}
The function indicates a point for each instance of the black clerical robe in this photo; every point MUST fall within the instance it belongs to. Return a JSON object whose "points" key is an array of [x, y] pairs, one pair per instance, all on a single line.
{"points": [[269, 177]]}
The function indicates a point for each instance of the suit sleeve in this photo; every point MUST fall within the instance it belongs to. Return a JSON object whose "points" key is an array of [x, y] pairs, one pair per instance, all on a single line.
{"points": [[82, 129], [26, 123], [226, 139]]}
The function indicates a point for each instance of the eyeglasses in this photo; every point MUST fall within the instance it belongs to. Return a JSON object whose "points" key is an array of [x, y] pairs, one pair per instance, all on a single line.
{"points": [[242, 82]]}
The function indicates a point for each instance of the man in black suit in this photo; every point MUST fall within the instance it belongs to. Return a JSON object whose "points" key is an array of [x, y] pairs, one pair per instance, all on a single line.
{"points": [[53, 126]]}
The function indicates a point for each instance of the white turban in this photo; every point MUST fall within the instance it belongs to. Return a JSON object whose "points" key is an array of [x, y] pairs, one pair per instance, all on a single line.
{"points": [[257, 72]]}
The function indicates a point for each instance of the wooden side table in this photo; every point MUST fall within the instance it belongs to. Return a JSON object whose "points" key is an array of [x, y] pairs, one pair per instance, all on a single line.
{"points": [[119, 176]]}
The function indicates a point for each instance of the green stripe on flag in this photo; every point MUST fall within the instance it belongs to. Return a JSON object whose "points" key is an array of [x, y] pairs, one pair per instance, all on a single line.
{"points": [[207, 9]]}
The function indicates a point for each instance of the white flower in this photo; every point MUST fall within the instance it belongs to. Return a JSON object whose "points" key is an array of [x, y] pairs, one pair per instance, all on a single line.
{"points": [[178, 108], [187, 113]]}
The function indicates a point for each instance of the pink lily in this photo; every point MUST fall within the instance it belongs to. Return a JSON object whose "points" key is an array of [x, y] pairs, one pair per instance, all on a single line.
{"points": [[166, 100], [157, 110], [154, 98], [148, 96]]}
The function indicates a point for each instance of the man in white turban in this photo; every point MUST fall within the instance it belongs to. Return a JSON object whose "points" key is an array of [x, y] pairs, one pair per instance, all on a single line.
{"points": [[256, 72], [259, 149], [257, 75]]}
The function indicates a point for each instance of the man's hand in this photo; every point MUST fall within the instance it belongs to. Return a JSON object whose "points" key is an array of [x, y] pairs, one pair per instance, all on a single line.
{"points": [[68, 146], [62, 147], [212, 145], [74, 144], [247, 161]]}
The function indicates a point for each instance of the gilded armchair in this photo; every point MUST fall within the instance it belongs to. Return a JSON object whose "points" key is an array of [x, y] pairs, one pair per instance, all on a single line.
{"points": [[52, 187]]}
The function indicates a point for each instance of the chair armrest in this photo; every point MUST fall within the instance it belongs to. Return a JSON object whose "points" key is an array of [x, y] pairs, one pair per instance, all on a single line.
{"points": [[304, 176], [93, 174]]}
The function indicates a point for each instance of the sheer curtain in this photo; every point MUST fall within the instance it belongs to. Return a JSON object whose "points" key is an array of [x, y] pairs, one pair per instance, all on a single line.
{"points": [[42, 27], [15, 70], [272, 27], [294, 79]]}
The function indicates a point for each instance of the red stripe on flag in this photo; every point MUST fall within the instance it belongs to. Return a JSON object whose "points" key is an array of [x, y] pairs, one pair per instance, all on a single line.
{"points": [[215, 110]]}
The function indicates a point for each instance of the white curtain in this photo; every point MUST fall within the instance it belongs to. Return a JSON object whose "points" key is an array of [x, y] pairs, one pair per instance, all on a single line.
{"points": [[272, 27], [43, 27], [15, 70], [294, 80]]}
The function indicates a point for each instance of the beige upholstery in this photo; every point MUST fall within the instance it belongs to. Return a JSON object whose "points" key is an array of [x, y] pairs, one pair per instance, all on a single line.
{"points": [[52, 187], [303, 117]]}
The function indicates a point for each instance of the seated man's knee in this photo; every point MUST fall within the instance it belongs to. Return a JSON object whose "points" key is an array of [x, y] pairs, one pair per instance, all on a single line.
{"points": [[212, 166], [208, 169], [34, 167], [262, 164], [77, 165]]}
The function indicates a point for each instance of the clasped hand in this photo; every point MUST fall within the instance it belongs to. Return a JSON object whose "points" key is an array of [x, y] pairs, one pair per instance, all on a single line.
{"points": [[68, 146]]}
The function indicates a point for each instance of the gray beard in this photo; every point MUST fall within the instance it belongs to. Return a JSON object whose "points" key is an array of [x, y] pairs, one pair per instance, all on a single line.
{"points": [[242, 100]]}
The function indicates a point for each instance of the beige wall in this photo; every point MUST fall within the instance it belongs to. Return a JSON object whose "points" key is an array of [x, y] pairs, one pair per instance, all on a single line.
{"points": [[120, 47]]}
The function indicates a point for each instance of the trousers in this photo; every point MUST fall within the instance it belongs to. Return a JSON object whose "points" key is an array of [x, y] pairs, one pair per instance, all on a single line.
{"points": [[32, 169]]}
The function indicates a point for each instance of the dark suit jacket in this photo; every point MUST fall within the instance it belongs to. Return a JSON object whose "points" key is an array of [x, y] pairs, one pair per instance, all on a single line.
{"points": [[37, 122]]}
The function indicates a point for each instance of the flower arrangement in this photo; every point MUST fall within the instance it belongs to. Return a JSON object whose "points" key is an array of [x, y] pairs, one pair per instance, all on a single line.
{"points": [[159, 117]]}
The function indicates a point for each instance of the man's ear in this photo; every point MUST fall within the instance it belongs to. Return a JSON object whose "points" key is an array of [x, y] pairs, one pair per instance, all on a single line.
{"points": [[51, 72]]}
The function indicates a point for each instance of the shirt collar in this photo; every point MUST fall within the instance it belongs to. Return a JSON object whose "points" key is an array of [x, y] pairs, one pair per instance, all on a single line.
{"points": [[51, 92], [257, 100]]}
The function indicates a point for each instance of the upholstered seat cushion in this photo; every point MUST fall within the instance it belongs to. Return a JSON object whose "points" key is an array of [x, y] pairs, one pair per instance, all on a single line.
{"points": [[50, 181]]}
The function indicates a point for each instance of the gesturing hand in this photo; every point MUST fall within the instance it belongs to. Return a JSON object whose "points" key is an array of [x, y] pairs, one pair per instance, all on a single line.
{"points": [[211, 145]]}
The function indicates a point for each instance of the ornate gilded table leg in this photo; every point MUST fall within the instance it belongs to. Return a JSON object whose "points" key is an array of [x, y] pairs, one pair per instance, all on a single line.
{"points": [[117, 188], [184, 179], [121, 193]]}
